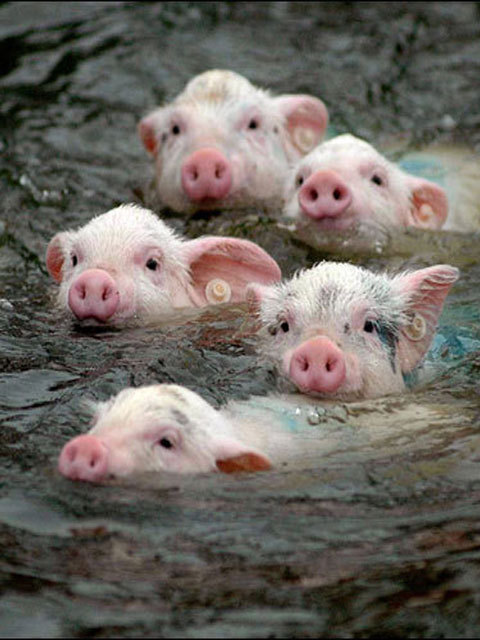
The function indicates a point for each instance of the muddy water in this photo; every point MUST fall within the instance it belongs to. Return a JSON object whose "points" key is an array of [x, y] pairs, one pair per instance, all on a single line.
{"points": [[382, 534]]}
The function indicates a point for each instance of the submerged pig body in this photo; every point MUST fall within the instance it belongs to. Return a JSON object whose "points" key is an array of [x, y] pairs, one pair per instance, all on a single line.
{"points": [[341, 331], [223, 143], [126, 264], [345, 183]]}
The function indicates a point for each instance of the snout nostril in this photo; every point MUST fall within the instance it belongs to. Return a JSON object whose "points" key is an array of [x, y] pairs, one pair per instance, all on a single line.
{"points": [[304, 364], [337, 194], [313, 194]]}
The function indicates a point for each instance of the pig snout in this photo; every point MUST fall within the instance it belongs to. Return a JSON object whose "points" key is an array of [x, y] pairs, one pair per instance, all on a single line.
{"points": [[84, 458], [324, 195], [206, 174], [94, 294], [318, 365]]}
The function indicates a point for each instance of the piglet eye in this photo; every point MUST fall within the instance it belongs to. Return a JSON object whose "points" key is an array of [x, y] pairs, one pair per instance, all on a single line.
{"points": [[299, 181], [166, 443], [74, 260], [369, 326], [175, 129], [376, 179], [253, 124], [285, 327], [152, 264]]}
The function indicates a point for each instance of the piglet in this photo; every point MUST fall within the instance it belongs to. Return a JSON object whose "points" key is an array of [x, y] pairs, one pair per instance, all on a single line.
{"points": [[340, 331], [223, 143], [126, 264], [345, 183], [158, 428]]}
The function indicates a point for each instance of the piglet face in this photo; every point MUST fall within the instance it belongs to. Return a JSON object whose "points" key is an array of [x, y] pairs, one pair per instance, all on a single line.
{"points": [[345, 183], [340, 331], [119, 266], [159, 429], [224, 143], [126, 265]]}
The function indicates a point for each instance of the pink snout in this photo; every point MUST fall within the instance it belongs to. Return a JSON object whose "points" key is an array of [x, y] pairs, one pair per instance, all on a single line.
{"points": [[206, 174], [84, 458], [94, 294], [318, 365], [324, 195]]}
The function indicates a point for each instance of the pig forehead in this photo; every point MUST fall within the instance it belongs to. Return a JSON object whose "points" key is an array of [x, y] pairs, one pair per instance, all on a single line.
{"points": [[345, 147], [126, 228], [217, 86], [337, 290]]}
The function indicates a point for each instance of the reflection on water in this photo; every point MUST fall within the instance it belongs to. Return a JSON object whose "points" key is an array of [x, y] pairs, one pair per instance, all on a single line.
{"points": [[380, 532]]}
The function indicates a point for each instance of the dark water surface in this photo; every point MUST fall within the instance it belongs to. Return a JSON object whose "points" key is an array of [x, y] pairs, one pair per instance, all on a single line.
{"points": [[383, 539]]}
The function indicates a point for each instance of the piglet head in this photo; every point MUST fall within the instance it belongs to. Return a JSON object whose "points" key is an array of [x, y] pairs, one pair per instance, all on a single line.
{"points": [[157, 428]]}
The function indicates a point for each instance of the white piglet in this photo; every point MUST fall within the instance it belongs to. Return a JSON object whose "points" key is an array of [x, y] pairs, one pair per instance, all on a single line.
{"points": [[345, 183], [341, 331], [158, 428], [224, 143], [127, 265]]}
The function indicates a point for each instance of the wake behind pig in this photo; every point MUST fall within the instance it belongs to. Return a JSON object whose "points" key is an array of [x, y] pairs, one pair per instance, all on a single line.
{"points": [[127, 265], [224, 143]]}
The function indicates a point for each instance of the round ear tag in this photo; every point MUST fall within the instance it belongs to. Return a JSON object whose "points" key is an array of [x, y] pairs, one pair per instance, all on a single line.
{"points": [[304, 139], [217, 291], [417, 328]]}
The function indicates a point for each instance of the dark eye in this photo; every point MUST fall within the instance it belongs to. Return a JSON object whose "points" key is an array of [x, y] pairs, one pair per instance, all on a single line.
{"points": [[299, 181], [152, 264], [369, 326], [165, 443], [284, 326], [74, 260], [376, 179], [253, 124], [175, 129]]}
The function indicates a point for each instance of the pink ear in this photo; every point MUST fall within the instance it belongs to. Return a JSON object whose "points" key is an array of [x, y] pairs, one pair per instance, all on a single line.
{"points": [[147, 133], [306, 118], [425, 290], [221, 269], [232, 456], [429, 208], [55, 257]]}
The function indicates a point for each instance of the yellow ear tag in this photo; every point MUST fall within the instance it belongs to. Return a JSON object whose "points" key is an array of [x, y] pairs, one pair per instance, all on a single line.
{"points": [[304, 139], [217, 291], [417, 328]]}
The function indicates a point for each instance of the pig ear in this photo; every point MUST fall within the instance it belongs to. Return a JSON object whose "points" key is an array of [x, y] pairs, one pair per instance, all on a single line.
{"points": [[232, 456], [55, 256], [429, 204], [148, 133], [221, 268], [306, 120], [426, 290]]}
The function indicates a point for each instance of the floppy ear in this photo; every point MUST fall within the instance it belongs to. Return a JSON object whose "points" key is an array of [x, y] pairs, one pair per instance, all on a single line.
{"points": [[429, 204], [425, 291], [147, 130], [232, 456], [306, 120], [55, 256], [221, 268]]}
